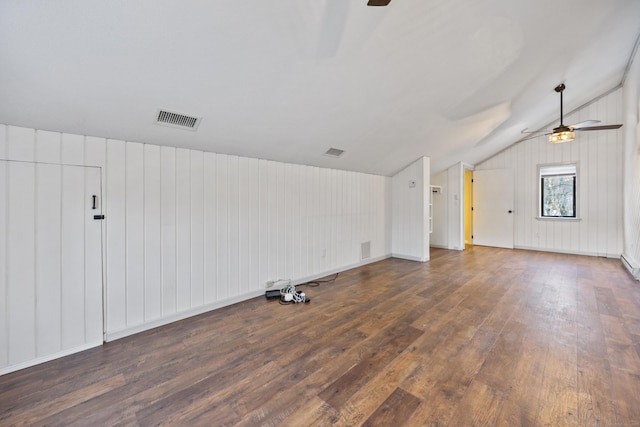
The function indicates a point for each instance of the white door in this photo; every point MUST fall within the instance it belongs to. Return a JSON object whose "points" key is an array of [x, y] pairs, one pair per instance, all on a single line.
{"points": [[493, 208], [50, 262]]}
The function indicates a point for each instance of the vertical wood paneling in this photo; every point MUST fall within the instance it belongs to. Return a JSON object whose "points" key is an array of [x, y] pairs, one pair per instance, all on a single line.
{"points": [[631, 165], [93, 284], [20, 144], [48, 147], [263, 221], [4, 251], [291, 218], [313, 206], [50, 258], [222, 185], [4, 130], [134, 218], [72, 149], [21, 261], [272, 212], [280, 217], [116, 304], [73, 257], [152, 233], [185, 229], [211, 229], [304, 247], [48, 255], [168, 208], [197, 228], [233, 226], [253, 230], [410, 237], [244, 188], [333, 219]]}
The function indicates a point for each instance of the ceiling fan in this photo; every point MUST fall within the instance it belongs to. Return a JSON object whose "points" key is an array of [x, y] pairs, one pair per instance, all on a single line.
{"points": [[378, 2], [564, 133]]}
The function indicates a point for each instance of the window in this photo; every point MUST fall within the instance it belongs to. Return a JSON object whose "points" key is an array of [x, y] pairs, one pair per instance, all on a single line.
{"points": [[558, 191]]}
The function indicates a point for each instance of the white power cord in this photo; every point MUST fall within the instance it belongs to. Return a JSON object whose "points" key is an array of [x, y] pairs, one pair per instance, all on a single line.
{"points": [[289, 294]]}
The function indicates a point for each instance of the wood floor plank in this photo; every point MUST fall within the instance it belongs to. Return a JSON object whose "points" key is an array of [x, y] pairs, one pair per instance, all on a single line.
{"points": [[345, 386], [595, 406], [479, 408], [627, 389], [396, 410], [484, 336], [367, 400]]}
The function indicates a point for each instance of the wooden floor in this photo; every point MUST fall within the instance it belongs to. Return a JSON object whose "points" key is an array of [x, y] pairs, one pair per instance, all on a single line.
{"points": [[481, 337]]}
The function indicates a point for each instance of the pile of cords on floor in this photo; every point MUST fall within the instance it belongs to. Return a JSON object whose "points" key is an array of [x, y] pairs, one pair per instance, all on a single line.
{"points": [[290, 295]]}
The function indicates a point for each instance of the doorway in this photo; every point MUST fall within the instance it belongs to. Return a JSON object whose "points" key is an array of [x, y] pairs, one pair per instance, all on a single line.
{"points": [[493, 200]]}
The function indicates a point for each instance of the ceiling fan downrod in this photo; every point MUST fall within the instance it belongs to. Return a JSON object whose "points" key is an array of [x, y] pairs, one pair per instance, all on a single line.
{"points": [[560, 88]]}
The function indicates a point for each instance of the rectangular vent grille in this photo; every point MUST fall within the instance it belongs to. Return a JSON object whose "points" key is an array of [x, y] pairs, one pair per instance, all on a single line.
{"points": [[177, 120], [365, 250], [334, 152]]}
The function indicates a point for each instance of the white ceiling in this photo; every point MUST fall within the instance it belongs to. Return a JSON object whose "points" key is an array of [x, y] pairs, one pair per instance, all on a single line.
{"points": [[455, 80]]}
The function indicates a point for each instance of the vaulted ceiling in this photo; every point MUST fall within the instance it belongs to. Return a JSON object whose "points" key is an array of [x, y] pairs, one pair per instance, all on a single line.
{"points": [[455, 80]]}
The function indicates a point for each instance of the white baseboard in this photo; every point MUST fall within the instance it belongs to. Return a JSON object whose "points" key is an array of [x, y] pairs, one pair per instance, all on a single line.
{"points": [[631, 265], [43, 359], [409, 257], [438, 246], [115, 335], [569, 252]]}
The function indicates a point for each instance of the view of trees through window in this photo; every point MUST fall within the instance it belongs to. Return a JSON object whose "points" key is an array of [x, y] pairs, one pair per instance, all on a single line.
{"points": [[558, 196]]}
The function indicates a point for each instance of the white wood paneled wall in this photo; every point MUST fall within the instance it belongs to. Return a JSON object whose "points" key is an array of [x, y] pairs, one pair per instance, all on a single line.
{"points": [[50, 262], [599, 155], [187, 231], [631, 131], [410, 211]]}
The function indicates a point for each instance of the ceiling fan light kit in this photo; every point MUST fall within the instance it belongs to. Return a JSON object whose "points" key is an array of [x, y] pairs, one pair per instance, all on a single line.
{"points": [[560, 137]]}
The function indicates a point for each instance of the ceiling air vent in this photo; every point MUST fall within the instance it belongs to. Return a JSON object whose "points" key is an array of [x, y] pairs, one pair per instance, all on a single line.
{"points": [[177, 120], [334, 152]]}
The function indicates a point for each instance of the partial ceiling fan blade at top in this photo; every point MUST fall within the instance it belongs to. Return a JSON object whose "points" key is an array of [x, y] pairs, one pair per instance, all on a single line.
{"points": [[603, 127], [584, 124], [537, 135], [530, 132], [378, 2]]}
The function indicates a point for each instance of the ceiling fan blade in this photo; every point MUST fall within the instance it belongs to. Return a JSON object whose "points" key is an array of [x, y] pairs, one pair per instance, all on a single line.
{"points": [[584, 123], [526, 131], [378, 2], [534, 136], [603, 127]]}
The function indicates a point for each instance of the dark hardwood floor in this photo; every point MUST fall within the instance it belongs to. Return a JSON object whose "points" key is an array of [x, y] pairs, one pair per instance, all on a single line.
{"points": [[481, 337]]}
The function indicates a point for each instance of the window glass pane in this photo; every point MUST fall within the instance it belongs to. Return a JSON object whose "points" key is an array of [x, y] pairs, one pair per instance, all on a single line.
{"points": [[558, 196]]}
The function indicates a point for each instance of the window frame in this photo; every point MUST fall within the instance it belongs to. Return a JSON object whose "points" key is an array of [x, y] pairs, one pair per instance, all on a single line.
{"points": [[576, 190]]}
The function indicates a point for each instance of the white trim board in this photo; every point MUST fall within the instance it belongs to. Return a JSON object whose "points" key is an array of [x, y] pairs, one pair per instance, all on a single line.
{"points": [[634, 269]]}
